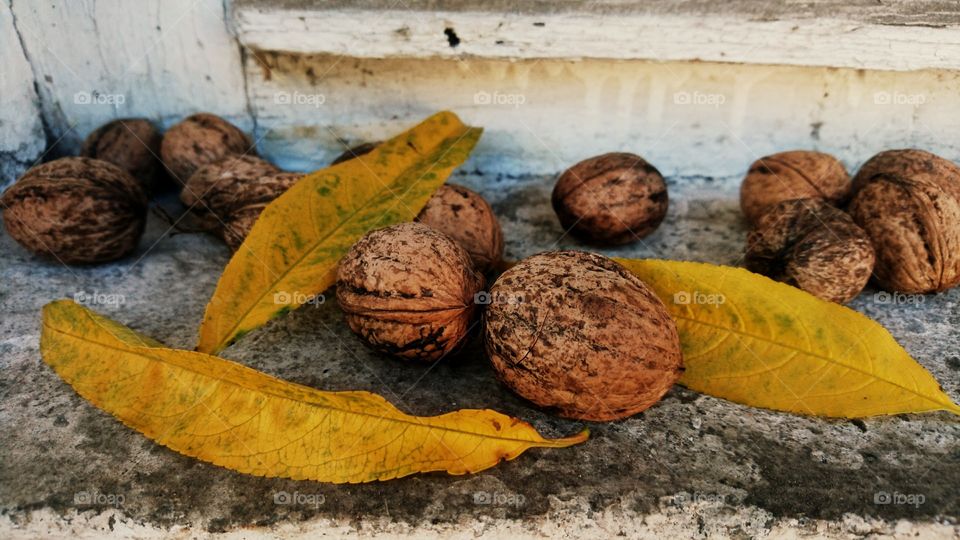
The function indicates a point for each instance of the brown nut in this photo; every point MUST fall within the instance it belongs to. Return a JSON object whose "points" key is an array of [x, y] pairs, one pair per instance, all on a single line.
{"points": [[611, 199], [132, 144], [908, 202], [466, 217], [200, 139], [408, 291], [578, 334], [813, 246], [799, 174], [217, 186], [78, 210], [355, 152], [240, 219]]}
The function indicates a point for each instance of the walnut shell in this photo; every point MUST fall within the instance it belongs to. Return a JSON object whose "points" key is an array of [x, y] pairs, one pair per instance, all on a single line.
{"points": [[798, 174], [240, 219], [217, 186], [355, 152], [132, 144], [78, 210], [908, 202], [200, 139], [576, 333], [611, 199], [408, 291], [466, 217], [813, 246]]}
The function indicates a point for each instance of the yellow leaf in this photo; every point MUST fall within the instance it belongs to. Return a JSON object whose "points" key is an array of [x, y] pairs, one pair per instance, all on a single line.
{"points": [[236, 417], [758, 342], [291, 254]]}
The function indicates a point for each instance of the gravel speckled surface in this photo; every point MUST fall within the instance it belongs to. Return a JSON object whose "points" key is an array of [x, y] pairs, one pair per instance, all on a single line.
{"points": [[691, 465]]}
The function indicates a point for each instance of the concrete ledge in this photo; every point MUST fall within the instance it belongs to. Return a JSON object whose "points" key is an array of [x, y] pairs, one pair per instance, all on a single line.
{"points": [[894, 36]]}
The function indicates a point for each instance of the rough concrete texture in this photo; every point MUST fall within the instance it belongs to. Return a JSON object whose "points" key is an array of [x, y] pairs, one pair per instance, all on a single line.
{"points": [[691, 466]]}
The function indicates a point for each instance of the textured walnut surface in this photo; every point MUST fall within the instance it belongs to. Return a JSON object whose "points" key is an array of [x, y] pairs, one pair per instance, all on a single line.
{"points": [[614, 198], [408, 290], [797, 174], [217, 186], [132, 144], [200, 139], [578, 334], [77, 210], [466, 217], [812, 245]]}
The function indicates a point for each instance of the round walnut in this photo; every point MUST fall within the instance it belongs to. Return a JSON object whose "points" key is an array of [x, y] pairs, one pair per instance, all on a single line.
{"points": [[215, 187], [578, 334], [799, 174], [408, 291], [200, 139], [813, 246], [240, 219], [77, 210], [466, 217], [611, 199], [908, 201], [132, 144]]}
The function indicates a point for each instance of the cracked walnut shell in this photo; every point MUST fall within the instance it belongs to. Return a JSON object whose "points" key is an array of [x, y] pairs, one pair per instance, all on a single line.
{"points": [[908, 201], [408, 291], [798, 174], [77, 210], [578, 334], [466, 217], [813, 246]]}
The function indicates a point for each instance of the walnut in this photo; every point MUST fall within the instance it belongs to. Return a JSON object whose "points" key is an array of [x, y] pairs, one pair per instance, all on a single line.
{"points": [[813, 246], [408, 291], [799, 174], [200, 139], [908, 201], [466, 217], [216, 186], [132, 144], [77, 210], [611, 199], [354, 152], [578, 334], [240, 218]]}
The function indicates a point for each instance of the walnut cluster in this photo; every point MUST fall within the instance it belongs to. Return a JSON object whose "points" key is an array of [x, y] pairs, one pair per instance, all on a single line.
{"points": [[798, 174]]}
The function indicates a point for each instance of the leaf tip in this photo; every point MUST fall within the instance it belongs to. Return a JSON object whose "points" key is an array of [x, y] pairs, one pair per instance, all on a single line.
{"points": [[564, 442]]}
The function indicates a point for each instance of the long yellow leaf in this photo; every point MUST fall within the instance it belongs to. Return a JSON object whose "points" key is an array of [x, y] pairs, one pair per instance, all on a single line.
{"points": [[291, 254], [758, 342], [236, 417]]}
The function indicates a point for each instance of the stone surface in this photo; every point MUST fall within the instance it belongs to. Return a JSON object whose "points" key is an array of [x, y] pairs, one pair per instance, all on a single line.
{"points": [[691, 466]]}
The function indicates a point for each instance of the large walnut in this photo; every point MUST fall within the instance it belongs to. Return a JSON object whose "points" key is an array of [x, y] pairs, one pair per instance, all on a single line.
{"points": [[77, 210], [614, 198], [200, 139], [908, 201], [813, 246], [408, 291], [466, 217], [132, 144], [578, 334], [798, 174]]}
